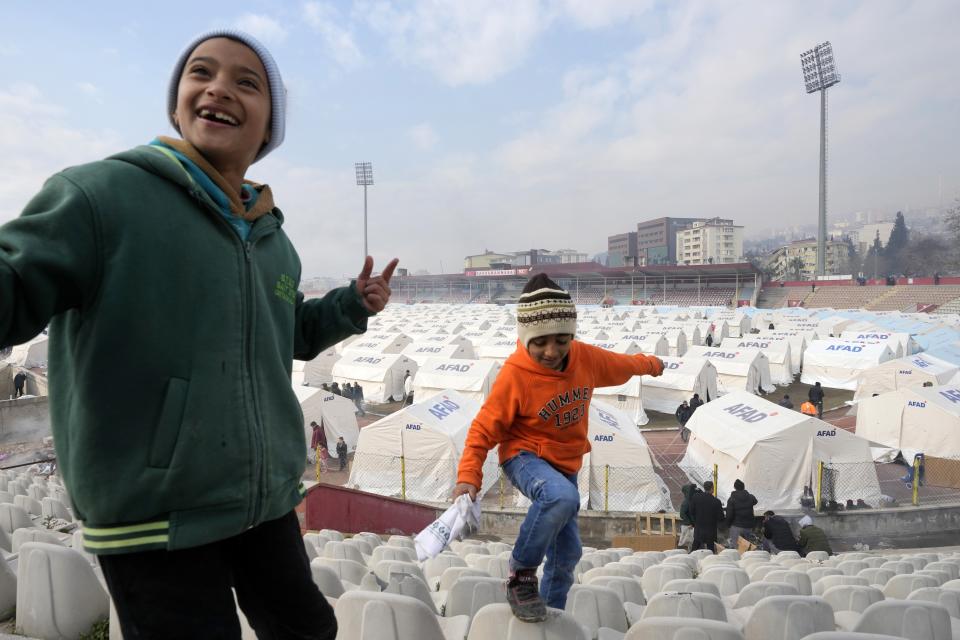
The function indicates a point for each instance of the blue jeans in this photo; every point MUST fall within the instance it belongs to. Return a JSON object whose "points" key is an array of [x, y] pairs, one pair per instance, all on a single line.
{"points": [[550, 528]]}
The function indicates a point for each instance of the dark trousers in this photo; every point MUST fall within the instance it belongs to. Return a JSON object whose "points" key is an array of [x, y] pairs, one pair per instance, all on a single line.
{"points": [[18, 391], [189, 593], [704, 540]]}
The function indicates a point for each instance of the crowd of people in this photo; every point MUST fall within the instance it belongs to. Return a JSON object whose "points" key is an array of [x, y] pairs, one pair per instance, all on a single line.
{"points": [[352, 392], [702, 516]]}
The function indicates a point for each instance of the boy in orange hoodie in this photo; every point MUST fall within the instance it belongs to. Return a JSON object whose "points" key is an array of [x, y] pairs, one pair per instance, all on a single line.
{"points": [[538, 413]]}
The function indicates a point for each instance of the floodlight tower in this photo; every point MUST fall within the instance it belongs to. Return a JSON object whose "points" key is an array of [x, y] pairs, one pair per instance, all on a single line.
{"points": [[819, 74], [364, 179]]}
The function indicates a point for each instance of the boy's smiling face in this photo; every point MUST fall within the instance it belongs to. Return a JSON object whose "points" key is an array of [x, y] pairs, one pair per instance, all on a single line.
{"points": [[223, 104], [550, 351]]}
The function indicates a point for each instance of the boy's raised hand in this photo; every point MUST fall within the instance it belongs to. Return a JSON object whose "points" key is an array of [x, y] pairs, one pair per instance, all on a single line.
{"points": [[375, 290]]}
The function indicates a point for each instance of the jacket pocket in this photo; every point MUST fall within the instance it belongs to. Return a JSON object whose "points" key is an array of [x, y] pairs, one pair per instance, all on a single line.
{"points": [[167, 429]]}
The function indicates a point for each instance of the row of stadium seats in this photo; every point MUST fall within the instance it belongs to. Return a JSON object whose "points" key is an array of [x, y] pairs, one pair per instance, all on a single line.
{"points": [[620, 594]]}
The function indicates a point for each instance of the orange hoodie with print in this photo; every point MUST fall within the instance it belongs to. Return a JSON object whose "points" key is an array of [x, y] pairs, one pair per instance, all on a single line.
{"points": [[536, 409]]}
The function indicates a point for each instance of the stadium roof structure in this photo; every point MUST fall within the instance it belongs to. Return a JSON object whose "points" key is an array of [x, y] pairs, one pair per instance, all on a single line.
{"points": [[596, 271]]}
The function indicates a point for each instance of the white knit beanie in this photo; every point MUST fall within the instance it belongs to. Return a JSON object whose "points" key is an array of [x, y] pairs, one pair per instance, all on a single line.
{"points": [[544, 309], [278, 93], [806, 521]]}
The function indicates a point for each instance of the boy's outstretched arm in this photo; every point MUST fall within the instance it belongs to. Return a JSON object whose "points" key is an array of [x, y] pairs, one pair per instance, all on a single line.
{"points": [[616, 368], [49, 260], [343, 312]]}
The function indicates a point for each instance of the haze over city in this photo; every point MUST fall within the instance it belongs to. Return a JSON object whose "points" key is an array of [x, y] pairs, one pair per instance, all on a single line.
{"points": [[511, 125]]}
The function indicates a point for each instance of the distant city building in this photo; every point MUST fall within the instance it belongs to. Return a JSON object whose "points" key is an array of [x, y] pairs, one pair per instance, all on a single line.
{"points": [[864, 236], [798, 260], [487, 260], [622, 249], [522, 259], [657, 239], [713, 241]]}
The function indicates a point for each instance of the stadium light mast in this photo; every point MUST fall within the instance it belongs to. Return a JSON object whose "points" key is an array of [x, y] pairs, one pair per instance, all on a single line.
{"points": [[819, 74], [364, 179]]}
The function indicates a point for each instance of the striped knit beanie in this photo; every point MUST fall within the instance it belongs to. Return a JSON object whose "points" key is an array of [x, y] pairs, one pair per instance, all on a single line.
{"points": [[278, 93], [544, 309]]}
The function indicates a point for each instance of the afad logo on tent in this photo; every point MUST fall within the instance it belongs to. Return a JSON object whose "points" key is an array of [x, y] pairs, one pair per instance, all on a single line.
{"points": [[443, 409], [720, 354], [853, 348], [953, 395], [747, 413], [609, 420]]}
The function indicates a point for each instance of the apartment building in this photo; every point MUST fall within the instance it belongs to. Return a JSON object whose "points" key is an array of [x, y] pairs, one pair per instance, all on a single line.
{"points": [[713, 241]]}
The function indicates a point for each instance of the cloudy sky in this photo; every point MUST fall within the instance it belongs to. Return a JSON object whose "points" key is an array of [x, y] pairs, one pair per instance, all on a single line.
{"points": [[507, 124]]}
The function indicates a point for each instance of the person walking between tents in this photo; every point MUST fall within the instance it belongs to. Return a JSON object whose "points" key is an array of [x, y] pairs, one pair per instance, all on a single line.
{"points": [[815, 395], [683, 414], [695, 403], [318, 438], [358, 398], [812, 537], [740, 518], [707, 513], [19, 381], [341, 453], [778, 536], [408, 389], [686, 522]]}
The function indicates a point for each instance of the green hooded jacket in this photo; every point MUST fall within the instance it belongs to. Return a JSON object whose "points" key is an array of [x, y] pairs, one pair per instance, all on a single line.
{"points": [[170, 352], [813, 538]]}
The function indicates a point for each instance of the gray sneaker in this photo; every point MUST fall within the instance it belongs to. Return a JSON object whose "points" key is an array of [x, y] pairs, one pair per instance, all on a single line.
{"points": [[523, 594]]}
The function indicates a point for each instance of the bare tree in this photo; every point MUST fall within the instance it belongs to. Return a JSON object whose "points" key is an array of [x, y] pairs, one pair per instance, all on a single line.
{"points": [[925, 256]]}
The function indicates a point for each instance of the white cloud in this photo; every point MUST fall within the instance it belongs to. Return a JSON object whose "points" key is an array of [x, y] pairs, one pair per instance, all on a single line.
{"points": [[337, 40], [594, 14], [423, 136], [261, 27], [90, 89], [461, 42], [36, 142]]}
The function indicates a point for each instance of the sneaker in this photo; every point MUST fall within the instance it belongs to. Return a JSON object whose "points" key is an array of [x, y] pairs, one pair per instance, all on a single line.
{"points": [[523, 594]]}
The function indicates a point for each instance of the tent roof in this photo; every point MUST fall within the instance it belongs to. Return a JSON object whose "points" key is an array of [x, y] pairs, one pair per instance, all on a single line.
{"points": [[736, 422]]}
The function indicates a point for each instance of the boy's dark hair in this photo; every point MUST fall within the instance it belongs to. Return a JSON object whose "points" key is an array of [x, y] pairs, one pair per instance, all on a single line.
{"points": [[708, 486], [767, 514], [738, 484]]}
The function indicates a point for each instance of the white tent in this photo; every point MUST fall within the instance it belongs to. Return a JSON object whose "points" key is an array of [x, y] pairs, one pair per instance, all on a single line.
{"points": [[901, 344], [627, 347], [470, 378], [31, 354], [420, 351], [775, 451], [378, 343], [380, 374], [913, 419], [778, 353], [627, 398], [738, 369], [620, 461], [837, 364], [833, 325], [418, 448], [911, 371], [682, 377], [338, 416], [498, 349], [798, 344], [649, 342], [320, 370]]}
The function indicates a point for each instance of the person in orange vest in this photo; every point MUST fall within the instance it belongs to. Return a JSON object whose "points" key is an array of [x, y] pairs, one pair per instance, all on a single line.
{"points": [[808, 408]]}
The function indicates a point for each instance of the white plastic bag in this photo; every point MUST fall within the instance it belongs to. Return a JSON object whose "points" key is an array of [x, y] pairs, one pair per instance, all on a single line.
{"points": [[457, 522]]}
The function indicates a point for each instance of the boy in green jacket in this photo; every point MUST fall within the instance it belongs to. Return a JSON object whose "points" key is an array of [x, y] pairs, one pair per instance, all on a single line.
{"points": [[164, 268]]}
